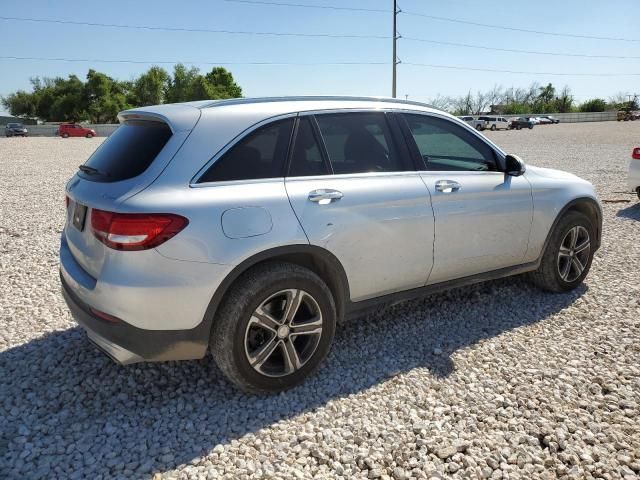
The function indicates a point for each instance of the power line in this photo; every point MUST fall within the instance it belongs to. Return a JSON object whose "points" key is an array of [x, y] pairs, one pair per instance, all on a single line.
{"points": [[534, 52], [303, 5], [433, 17], [514, 29], [567, 74], [300, 34], [184, 29], [171, 62]]}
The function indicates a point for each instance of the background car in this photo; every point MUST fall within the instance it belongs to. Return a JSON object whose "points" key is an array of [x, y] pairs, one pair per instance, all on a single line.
{"points": [[634, 171], [519, 123], [66, 130], [546, 119], [474, 122], [495, 123], [534, 120], [15, 130]]}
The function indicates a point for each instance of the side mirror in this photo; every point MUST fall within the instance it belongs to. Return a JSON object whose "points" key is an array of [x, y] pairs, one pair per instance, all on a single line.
{"points": [[514, 166]]}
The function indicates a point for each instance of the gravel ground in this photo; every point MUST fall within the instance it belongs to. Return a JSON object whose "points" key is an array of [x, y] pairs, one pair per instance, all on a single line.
{"points": [[497, 380]]}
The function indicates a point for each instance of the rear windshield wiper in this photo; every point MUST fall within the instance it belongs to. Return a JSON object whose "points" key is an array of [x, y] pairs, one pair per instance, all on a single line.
{"points": [[92, 171]]}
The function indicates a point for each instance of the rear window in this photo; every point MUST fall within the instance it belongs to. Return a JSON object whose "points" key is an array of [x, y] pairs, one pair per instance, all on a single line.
{"points": [[128, 152]]}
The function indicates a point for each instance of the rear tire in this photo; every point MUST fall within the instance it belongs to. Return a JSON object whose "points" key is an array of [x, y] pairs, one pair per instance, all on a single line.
{"points": [[65, 135], [493, 128], [567, 259], [257, 344]]}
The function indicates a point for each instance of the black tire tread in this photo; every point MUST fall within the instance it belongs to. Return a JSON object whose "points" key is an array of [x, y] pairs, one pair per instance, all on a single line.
{"points": [[237, 299], [545, 276]]}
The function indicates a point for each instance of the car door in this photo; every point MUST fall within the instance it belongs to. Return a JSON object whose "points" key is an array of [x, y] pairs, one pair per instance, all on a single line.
{"points": [[482, 216], [356, 193]]}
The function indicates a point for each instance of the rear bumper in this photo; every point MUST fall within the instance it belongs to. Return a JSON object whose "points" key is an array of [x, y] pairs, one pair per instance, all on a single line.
{"points": [[127, 344]]}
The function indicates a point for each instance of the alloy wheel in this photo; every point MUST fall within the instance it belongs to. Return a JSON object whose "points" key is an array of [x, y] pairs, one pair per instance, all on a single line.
{"points": [[573, 255], [283, 333]]}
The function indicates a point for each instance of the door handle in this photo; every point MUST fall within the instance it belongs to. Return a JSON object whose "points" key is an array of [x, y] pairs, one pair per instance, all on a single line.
{"points": [[324, 195], [447, 186]]}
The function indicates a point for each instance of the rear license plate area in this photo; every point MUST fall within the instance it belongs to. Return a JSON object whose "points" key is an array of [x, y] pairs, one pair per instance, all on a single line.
{"points": [[79, 216]]}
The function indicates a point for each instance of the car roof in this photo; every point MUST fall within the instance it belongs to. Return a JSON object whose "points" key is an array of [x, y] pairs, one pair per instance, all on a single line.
{"points": [[183, 116]]}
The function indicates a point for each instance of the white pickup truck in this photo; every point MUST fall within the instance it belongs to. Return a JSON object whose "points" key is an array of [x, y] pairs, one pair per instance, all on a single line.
{"points": [[474, 122]]}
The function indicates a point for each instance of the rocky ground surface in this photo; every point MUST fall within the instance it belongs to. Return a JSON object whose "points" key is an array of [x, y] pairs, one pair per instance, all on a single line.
{"points": [[493, 381]]}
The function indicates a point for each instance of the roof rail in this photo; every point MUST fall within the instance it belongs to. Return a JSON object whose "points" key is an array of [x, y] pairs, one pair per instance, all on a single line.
{"points": [[241, 101]]}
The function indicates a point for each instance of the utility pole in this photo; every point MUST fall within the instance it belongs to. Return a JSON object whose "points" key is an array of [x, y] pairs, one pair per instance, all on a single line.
{"points": [[395, 57]]}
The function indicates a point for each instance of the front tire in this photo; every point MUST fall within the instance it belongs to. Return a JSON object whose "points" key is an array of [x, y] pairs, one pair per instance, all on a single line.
{"points": [[274, 328], [89, 135], [567, 259]]}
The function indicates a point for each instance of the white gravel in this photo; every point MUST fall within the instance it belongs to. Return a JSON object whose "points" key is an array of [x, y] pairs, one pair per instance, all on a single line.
{"points": [[498, 380]]}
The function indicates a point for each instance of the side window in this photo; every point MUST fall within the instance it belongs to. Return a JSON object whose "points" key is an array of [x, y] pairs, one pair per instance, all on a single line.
{"points": [[306, 158], [261, 154], [445, 146], [359, 142]]}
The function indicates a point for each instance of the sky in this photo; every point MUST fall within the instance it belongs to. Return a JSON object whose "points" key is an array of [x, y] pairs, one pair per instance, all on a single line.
{"points": [[613, 18]]}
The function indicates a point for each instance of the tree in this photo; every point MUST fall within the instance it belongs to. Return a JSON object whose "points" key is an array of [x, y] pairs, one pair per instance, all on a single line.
{"points": [[222, 84], [564, 102], [100, 97], [480, 103], [593, 105], [21, 104], [104, 98], [181, 86], [440, 102], [189, 85], [151, 87], [462, 105]]}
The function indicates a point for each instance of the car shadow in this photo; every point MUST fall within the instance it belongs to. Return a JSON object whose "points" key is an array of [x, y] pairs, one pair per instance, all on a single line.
{"points": [[66, 408], [632, 212]]}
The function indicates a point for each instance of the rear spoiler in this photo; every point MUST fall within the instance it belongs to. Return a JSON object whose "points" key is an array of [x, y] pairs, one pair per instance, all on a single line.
{"points": [[179, 116]]}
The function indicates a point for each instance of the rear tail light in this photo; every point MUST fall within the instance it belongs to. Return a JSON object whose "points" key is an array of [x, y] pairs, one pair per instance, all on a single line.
{"points": [[636, 153], [135, 231]]}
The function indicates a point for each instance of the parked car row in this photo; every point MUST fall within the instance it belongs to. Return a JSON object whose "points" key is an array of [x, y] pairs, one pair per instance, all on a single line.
{"points": [[65, 130], [485, 122]]}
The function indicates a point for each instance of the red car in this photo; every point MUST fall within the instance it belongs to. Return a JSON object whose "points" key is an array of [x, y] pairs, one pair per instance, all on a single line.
{"points": [[66, 130]]}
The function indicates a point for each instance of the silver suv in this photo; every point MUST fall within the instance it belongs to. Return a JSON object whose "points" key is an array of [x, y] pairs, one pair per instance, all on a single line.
{"points": [[252, 226]]}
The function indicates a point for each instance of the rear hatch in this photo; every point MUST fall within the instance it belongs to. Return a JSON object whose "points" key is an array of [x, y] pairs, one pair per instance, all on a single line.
{"points": [[126, 163]]}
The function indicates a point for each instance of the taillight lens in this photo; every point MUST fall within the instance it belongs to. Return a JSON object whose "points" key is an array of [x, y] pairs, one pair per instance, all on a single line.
{"points": [[636, 153], [135, 231]]}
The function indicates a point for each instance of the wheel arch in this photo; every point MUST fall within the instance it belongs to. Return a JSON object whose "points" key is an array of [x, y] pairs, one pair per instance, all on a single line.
{"points": [[587, 206], [319, 260]]}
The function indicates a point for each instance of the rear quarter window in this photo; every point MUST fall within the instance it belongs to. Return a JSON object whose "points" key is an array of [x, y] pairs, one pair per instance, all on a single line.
{"points": [[261, 154], [128, 152]]}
